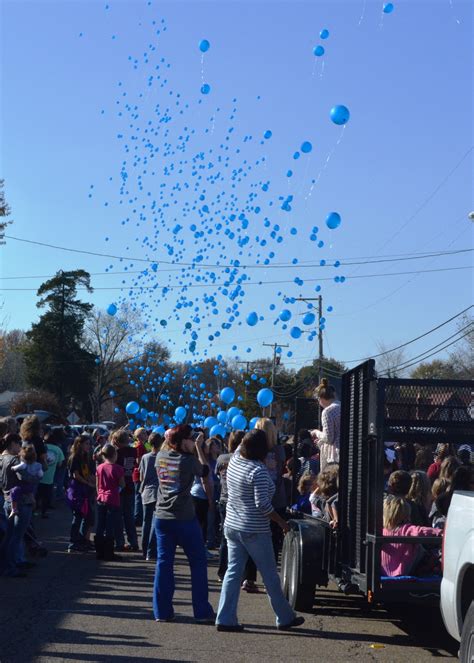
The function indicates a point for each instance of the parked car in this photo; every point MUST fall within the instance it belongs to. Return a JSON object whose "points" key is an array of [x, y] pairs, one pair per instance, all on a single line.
{"points": [[457, 586]]}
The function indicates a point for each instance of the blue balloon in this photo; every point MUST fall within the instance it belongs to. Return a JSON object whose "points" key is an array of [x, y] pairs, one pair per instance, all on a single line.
{"points": [[295, 332], [204, 45], [158, 429], [239, 422], [111, 393], [252, 319], [180, 413], [333, 220], [227, 395], [309, 318], [285, 315], [218, 430], [112, 309], [253, 422], [209, 422], [116, 410], [205, 88], [324, 34], [222, 417], [132, 407], [306, 147], [265, 397], [232, 412], [388, 8], [340, 114], [318, 51], [267, 134]]}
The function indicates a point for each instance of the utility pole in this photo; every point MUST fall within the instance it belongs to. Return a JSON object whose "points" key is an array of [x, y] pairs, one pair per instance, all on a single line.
{"points": [[274, 365], [318, 299]]}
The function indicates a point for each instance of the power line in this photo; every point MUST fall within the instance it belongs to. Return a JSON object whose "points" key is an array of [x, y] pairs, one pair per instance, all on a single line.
{"points": [[249, 282], [346, 261], [403, 345], [421, 357]]}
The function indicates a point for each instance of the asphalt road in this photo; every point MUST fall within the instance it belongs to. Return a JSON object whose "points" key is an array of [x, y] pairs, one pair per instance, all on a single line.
{"points": [[73, 608]]}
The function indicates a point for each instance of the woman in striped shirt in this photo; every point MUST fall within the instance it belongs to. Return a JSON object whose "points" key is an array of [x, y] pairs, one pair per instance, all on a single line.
{"points": [[247, 530]]}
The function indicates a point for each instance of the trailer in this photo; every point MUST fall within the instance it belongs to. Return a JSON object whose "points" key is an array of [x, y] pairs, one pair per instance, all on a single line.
{"points": [[373, 411]]}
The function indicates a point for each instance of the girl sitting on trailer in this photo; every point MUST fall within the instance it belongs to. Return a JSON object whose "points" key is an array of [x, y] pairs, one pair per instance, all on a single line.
{"points": [[402, 559]]}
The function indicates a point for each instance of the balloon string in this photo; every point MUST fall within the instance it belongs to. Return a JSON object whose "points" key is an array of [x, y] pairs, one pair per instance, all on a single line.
{"points": [[325, 165], [322, 69], [202, 68], [363, 12], [452, 9]]}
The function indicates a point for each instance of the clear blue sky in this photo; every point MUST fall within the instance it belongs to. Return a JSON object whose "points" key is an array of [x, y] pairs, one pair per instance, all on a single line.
{"points": [[406, 78]]}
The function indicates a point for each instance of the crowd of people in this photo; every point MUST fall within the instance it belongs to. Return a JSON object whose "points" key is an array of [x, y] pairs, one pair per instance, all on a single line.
{"points": [[140, 492]]}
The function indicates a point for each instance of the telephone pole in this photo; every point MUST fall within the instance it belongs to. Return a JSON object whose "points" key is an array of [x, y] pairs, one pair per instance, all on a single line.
{"points": [[318, 299], [274, 364]]}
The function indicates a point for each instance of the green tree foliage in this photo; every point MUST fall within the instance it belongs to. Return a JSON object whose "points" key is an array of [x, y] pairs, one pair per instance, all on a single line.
{"points": [[434, 370], [5, 211], [56, 359]]}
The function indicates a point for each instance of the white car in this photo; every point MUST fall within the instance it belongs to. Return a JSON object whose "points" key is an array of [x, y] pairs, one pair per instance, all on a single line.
{"points": [[457, 586]]}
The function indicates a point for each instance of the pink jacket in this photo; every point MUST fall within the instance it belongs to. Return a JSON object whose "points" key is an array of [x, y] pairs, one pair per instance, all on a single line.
{"points": [[398, 558]]}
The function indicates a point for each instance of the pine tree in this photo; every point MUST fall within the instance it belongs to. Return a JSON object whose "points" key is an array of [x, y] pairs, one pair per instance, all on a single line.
{"points": [[55, 356]]}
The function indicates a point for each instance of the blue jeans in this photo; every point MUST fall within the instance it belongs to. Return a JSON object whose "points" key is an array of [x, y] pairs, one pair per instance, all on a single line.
{"points": [[138, 508], [127, 502], [148, 532], [13, 542], [108, 520], [240, 545], [188, 535]]}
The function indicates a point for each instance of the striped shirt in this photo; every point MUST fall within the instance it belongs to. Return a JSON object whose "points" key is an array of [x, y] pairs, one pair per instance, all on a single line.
{"points": [[250, 490]]}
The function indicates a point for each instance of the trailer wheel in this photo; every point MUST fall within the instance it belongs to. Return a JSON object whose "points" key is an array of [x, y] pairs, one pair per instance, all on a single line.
{"points": [[466, 653], [300, 594], [285, 561]]}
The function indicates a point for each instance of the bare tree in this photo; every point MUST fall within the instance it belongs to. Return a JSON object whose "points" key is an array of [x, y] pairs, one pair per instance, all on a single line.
{"points": [[462, 357], [109, 339], [12, 360], [389, 364]]}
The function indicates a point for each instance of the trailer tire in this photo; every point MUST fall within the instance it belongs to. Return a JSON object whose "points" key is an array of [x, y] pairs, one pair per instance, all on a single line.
{"points": [[466, 653], [300, 594]]}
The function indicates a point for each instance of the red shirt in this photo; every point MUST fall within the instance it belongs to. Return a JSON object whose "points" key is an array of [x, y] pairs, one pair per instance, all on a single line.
{"points": [[108, 478], [141, 451]]}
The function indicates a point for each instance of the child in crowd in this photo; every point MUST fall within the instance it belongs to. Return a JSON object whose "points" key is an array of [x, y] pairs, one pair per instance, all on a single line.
{"points": [[449, 467], [399, 484], [30, 473], [323, 499], [420, 495], [110, 480], [304, 489], [399, 559], [442, 452]]}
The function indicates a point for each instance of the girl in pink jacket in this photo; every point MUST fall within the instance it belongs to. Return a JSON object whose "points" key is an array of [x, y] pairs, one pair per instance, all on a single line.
{"points": [[401, 559]]}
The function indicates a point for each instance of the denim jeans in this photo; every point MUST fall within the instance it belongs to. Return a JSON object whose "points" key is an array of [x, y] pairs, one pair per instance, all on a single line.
{"points": [[188, 535], [59, 479], [259, 546], [138, 507], [148, 532], [223, 546], [13, 542], [108, 520], [127, 503]]}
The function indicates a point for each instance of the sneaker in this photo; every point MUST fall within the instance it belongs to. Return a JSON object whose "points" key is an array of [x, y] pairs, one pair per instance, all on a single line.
{"points": [[220, 578], [210, 621], [150, 559], [168, 619], [77, 548], [235, 628], [250, 587], [297, 621]]}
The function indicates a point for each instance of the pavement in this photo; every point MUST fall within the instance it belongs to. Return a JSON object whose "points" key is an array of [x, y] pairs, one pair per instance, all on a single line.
{"points": [[73, 608]]}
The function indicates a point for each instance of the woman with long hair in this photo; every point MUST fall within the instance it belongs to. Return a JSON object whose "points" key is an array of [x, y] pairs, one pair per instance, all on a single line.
{"points": [[79, 494], [247, 530], [329, 437]]}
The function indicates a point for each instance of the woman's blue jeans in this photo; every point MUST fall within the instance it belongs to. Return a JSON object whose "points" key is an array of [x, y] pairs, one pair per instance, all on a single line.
{"points": [[259, 546], [16, 529], [148, 532], [188, 535]]}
